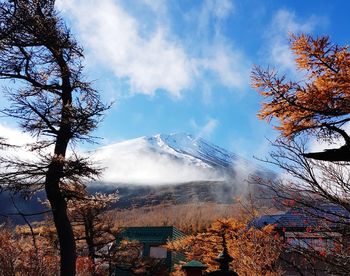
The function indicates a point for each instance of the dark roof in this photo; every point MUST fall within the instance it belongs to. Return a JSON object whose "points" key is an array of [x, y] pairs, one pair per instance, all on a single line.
{"points": [[151, 234], [194, 264], [262, 221], [323, 215]]}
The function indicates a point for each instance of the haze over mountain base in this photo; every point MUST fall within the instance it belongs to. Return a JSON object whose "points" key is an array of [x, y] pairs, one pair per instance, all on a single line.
{"points": [[161, 170]]}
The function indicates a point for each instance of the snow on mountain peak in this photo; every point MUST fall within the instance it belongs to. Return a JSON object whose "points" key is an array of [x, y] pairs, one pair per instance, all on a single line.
{"points": [[163, 158], [196, 147]]}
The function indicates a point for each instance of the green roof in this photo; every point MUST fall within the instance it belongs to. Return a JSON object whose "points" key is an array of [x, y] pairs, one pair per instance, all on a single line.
{"points": [[151, 234], [194, 264]]}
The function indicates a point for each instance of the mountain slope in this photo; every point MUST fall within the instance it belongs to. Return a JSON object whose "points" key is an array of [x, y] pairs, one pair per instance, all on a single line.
{"points": [[194, 147], [138, 196], [166, 159], [163, 170]]}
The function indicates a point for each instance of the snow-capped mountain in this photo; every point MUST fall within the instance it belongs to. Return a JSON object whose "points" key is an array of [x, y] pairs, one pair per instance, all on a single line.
{"points": [[164, 159], [197, 170], [187, 146]]}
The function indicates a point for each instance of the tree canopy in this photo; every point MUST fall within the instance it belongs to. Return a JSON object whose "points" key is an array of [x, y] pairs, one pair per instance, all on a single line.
{"points": [[315, 106], [52, 101], [254, 251], [318, 104]]}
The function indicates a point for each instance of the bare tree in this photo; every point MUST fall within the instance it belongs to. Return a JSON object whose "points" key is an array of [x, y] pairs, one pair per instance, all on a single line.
{"points": [[91, 224], [51, 101], [315, 184], [317, 194]]}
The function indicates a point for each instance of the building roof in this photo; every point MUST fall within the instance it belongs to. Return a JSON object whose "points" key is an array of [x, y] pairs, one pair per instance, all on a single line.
{"points": [[194, 264], [323, 215], [262, 221], [151, 234]]}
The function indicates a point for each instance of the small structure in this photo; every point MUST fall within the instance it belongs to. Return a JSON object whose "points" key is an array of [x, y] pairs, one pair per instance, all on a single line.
{"points": [[194, 268], [316, 228], [153, 240], [224, 259]]}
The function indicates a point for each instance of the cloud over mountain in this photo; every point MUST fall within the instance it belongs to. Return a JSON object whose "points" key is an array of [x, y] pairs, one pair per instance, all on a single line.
{"points": [[166, 159]]}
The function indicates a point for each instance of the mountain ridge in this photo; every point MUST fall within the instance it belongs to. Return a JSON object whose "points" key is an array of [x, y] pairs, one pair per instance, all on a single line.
{"points": [[186, 169], [180, 156]]}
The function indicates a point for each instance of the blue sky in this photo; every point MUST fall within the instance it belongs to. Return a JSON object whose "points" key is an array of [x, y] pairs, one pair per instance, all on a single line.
{"points": [[184, 65]]}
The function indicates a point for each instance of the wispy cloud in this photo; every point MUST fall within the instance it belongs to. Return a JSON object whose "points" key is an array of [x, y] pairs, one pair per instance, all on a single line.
{"points": [[115, 40], [14, 136], [283, 24], [136, 162], [219, 57], [217, 10], [159, 6], [227, 64], [318, 145], [153, 59], [206, 130], [19, 139]]}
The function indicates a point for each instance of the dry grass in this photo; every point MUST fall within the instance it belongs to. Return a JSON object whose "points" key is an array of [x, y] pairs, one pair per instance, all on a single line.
{"points": [[190, 218]]}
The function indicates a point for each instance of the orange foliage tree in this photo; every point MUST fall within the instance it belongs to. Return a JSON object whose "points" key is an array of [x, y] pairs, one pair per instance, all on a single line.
{"points": [[317, 105], [254, 251], [92, 228], [94, 231], [126, 256], [19, 256]]}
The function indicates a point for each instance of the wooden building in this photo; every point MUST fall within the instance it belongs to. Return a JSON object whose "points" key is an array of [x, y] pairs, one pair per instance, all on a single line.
{"points": [[152, 240]]}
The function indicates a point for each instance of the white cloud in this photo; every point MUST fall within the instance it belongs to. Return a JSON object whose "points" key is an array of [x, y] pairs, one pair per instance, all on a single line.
{"points": [[17, 138], [230, 66], [243, 171], [284, 23], [14, 136], [152, 59], [213, 9], [136, 162], [227, 64], [159, 6], [222, 8], [115, 40], [317, 145], [207, 94], [206, 130]]}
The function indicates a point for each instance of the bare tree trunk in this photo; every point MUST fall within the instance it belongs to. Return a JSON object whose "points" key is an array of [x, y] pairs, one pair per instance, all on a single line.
{"points": [[89, 234], [38, 50], [55, 173], [62, 223], [59, 210]]}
